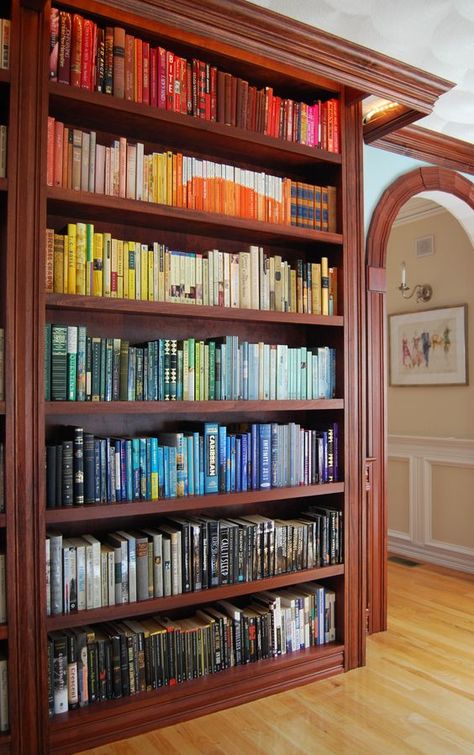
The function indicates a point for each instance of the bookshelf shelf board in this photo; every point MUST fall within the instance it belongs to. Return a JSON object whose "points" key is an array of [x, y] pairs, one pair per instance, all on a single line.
{"points": [[93, 724], [3, 521], [146, 123], [96, 512], [3, 184], [188, 407], [4, 76], [2, 407], [3, 631], [82, 205], [171, 309], [188, 599]]}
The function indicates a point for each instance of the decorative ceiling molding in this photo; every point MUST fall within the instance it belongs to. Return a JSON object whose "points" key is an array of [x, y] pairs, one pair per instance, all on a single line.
{"points": [[431, 147], [238, 24], [417, 209]]}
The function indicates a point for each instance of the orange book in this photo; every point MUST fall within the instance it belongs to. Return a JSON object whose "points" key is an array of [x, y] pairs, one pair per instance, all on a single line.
{"points": [[119, 62], [146, 72], [76, 50], [332, 305], [58, 153], [50, 153], [138, 70], [129, 67], [174, 191], [179, 180]]}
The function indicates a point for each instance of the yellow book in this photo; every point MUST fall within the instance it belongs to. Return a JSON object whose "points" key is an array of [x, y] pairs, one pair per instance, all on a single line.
{"points": [[151, 269], [107, 265], [58, 261], [81, 254], [316, 288], [155, 170], [144, 272], [113, 269], [125, 269], [49, 283], [161, 272], [120, 271], [71, 256], [97, 265], [324, 286], [169, 178], [131, 270], [89, 257], [293, 290], [66, 265]]}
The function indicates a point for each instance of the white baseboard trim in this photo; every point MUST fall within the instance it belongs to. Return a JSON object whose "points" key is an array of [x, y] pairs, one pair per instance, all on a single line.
{"points": [[455, 561]]}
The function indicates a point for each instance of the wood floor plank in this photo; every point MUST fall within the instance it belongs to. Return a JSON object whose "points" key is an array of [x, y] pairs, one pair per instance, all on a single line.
{"points": [[415, 695]]}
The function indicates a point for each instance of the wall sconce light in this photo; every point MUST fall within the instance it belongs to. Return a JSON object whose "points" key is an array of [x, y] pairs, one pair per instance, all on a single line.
{"points": [[423, 292]]}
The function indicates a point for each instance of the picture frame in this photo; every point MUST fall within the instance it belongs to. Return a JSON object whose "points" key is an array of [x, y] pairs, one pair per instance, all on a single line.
{"points": [[428, 347]]}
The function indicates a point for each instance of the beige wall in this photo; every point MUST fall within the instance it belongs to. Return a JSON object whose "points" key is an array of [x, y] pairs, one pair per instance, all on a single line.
{"points": [[440, 411]]}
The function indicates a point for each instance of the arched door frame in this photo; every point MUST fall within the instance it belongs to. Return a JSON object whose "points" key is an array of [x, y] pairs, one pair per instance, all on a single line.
{"points": [[393, 198]]}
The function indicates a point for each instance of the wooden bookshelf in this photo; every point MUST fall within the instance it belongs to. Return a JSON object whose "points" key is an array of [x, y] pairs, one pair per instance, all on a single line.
{"points": [[3, 521], [3, 184], [3, 632], [303, 64], [2, 407]]}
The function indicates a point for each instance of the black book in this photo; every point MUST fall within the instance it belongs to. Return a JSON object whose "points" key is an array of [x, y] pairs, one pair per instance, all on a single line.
{"points": [[51, 477], [58, 363], [78, 466], [89, 468], [67, 473], [72, 686], [93, 669]]}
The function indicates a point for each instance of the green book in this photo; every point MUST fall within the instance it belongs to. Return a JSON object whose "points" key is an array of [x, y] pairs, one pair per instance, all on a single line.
{"points": [[47, 362], [95, 381], [191, 368], [59, 371], [71, 362], [81, 363], [124, 371], [109, 360]]}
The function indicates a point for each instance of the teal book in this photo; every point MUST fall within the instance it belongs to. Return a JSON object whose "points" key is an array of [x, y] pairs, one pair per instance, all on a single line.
{"points": [[47, 361], [211, 474], [71, 362], [59, 372]]}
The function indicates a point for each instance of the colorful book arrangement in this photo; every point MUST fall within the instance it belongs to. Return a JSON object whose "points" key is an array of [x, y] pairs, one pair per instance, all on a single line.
{"points": [[111, 61], [79, 367], [3, 151], [76, 161], [108, 661], [81, 261], [185, 555], [82, 468], [5, 42]]}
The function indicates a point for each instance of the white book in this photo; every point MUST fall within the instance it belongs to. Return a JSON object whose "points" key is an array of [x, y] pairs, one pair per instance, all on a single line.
{"points": [[100, 159], [157, 541], [226, 268], [254, 277], [48, 578], [132, 565], [93, 558], [56, 553], [92, 160], [79, 545]]}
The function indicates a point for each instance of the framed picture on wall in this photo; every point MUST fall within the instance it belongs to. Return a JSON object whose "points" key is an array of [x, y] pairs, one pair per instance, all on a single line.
{"points": [[429, 347]]}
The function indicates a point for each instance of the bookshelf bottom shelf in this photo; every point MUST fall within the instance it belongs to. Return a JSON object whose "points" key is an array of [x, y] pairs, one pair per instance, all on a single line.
{"points": [[103, 722]]}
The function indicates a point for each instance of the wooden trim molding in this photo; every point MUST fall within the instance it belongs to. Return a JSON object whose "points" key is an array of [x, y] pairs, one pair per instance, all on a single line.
{"points": [[290, 43], [426, 145], [405, 187]]}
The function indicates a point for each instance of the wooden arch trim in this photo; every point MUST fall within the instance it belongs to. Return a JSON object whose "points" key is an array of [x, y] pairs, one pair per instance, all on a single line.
{"points": [[393, 198]]}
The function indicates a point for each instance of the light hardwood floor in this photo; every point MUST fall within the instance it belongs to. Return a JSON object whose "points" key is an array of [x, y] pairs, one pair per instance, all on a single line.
{"points": [[415, 695]]}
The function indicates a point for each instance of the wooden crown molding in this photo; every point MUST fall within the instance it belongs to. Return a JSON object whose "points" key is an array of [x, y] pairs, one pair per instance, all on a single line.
{"points": [[429, 146], [239, 24]]}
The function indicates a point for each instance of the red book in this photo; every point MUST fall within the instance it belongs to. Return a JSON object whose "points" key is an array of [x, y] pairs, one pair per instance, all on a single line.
{"points": [[76, 50], [233, 101], [202, 90], [146, 72], [58, 153], [50, 153], [228, 99], [183, 92], [161, 76], [177, 84], [153, 77], [189, 88], [337, 127], [87, 42], [95, 37], [53, 44], [64, 54], [268, 110], [213, 93], [170, 72], [220, 97], [119, 62], [195, 93], [207, 93], [138, 70], [129, 67]]}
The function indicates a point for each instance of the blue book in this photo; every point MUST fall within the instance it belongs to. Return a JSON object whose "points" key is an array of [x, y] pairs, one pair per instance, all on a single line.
{"points": [[190, 464], [222, 458], [227, 464], [238, 463], [129, 471], [161, 472], [275, 463], [232, 464], [136, 469], [211, 472], [265, 456], [173, 468], [201, 465], [254, 457], [245, 462], [143, 470]]}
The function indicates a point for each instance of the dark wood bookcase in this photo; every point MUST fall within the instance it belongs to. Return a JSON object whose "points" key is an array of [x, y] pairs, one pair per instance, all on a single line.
{"points": [[264, 47]]}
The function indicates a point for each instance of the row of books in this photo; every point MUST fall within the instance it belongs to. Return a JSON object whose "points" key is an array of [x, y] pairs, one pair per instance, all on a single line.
{"points": [[185, 555], [5, 43], [81, 261], [108, 661], [80, 367], [112, 61], [76, 161], [3, 150], [82, 468]]}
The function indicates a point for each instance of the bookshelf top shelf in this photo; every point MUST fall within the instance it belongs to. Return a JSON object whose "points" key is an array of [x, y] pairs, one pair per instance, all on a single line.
{"points": [[188, 599], [173, 309], [141, 121], [82, 205], [106, 511]]}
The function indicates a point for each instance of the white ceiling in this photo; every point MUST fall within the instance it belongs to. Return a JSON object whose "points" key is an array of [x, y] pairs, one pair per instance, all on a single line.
{"points": [[434, 35]]}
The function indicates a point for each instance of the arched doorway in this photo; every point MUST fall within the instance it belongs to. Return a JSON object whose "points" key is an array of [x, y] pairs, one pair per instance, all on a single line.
{"points": [[394, 197]]}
